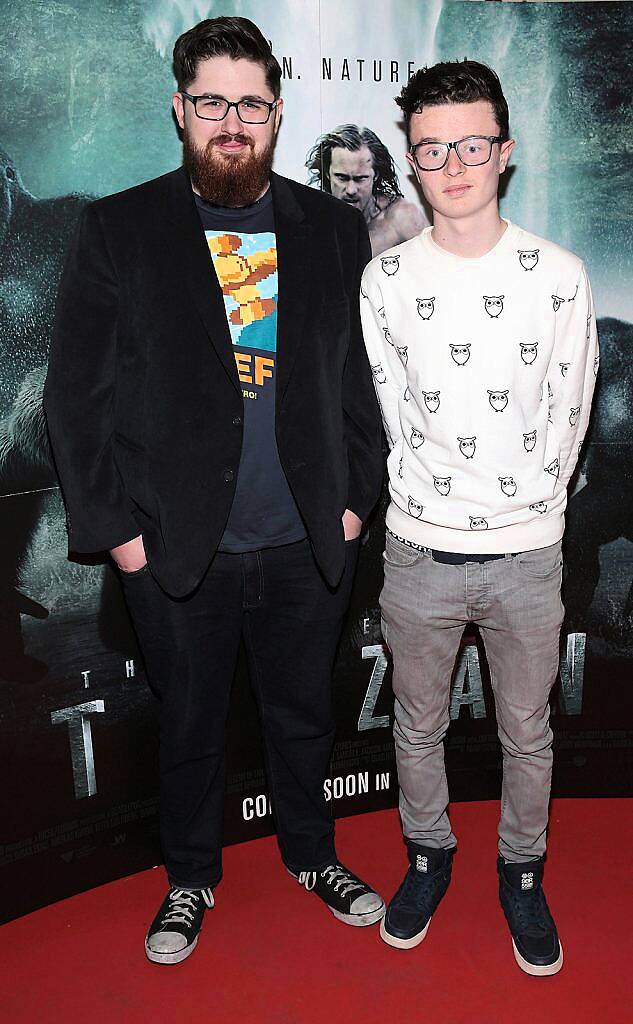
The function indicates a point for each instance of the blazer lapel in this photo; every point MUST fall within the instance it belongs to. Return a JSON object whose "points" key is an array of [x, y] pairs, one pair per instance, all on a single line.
{"points": [[189, 251], [294, 268]]}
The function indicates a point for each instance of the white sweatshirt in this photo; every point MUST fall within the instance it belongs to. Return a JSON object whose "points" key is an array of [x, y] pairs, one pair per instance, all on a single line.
{"points": [[484, 370]]}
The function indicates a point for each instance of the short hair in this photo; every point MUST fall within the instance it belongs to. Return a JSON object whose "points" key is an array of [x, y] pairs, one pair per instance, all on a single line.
{"points": [[464, 81], [353, 138], [237, 38]]}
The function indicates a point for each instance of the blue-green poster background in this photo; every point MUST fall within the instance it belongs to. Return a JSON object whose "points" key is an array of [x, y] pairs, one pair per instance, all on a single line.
{"points": [[85, 111]]}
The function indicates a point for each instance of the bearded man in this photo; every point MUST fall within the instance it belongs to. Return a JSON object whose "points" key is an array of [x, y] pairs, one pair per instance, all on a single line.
{"points": [[215, 429]]}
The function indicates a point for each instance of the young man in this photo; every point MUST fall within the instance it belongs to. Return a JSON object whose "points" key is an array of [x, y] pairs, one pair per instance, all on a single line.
{"points": [[354, 165], [215, 427], [482, 341]]}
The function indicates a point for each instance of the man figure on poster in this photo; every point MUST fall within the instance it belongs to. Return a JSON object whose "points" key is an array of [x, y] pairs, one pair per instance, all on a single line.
{"points": [[214, 423], [352, 164], [485, 340]]}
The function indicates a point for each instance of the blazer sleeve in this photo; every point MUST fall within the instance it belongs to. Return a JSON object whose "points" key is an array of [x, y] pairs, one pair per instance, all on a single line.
{"points": [[79, 394], [362, 416]]}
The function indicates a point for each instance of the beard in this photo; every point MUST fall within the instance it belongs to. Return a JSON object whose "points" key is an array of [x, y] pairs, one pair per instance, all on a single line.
{"points": [[228, 179]]}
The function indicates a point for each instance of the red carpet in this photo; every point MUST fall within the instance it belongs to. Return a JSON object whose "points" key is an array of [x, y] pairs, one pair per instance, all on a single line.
{"points": [[270, 953]]}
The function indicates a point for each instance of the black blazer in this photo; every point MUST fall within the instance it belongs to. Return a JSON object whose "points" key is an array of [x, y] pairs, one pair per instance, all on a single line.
{"points": [[143, 400]]}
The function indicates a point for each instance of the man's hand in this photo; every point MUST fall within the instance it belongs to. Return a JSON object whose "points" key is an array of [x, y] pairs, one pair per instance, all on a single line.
{"points": [[130, 556], [352, 525]]}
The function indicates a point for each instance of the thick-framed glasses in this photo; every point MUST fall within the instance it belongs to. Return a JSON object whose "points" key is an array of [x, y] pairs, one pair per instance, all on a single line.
{"points": [[215, 108], [473, 151]]}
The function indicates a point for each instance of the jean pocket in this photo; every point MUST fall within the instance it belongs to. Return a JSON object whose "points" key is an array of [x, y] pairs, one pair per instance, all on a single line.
{"points": [[542, 563], [399, 555]]}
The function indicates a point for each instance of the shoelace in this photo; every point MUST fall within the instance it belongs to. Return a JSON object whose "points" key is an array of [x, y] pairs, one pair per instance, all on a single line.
{"points": [[418, 888], [183, 904], [334, 873], [530, 911]]}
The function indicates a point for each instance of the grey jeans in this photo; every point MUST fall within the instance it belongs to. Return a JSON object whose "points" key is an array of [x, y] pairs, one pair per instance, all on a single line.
{"points": [[515, 601]]}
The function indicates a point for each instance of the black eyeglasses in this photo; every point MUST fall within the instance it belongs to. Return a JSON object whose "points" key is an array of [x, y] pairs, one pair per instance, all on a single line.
{"points": [[473, 151], [215, 108]]}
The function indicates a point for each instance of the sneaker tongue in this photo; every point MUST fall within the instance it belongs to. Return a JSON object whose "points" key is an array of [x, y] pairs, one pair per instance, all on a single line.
{"points": [[425, 859], [524, 877], [421, 862]]}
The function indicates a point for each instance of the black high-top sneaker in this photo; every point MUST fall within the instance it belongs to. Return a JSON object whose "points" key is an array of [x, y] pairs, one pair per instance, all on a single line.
{"points": [[349, 898], [409, 914], [173, 934], [537, 949]]}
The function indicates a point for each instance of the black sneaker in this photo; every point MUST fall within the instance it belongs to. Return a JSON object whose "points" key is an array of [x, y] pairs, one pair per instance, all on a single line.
{"points": [[174, 932], [409, 914], [349, 899], [537, 949]]}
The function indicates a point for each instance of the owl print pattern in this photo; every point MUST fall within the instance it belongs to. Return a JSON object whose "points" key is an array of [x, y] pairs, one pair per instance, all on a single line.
{"points": [[529, 441], [529, 352], [431, 400], [508, 485], [483, 371], [498, 400], [493, 304], [528, 258], [390, 265], [426, 308], [460, 354]]}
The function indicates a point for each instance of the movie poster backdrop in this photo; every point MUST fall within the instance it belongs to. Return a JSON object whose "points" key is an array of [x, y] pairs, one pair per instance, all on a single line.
{"points": [[86, 91]]}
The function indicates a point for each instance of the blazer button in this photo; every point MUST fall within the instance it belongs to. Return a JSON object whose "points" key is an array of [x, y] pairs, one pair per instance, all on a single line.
{"points": [[228, 475], [237, 420]]}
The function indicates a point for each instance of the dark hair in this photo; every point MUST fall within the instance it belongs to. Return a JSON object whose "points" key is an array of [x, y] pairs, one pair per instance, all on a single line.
{"points": [[224, 37], [464, 81], [352, 138]]}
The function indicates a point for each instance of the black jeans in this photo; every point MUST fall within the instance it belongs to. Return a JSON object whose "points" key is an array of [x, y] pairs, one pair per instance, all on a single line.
{"points": [[291, 622]]}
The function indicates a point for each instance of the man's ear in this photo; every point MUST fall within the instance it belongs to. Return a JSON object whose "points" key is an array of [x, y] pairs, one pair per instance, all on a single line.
{"points": [[277, 115], [504, 154], [179, 109], [412, 164], [409, 157]]}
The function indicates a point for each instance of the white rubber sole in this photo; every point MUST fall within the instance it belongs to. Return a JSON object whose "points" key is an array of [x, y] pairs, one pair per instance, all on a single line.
{"points": [[355, 920], [170, 958], [359, 920], [536, 970], [393, 940]]}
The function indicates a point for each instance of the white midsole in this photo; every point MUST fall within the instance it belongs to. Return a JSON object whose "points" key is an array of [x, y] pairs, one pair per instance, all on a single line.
{"points": [[538, 970], [393, 940]]}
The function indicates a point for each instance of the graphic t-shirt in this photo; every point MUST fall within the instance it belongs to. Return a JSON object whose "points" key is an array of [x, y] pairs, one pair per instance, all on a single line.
{"points": [[243, 248]]}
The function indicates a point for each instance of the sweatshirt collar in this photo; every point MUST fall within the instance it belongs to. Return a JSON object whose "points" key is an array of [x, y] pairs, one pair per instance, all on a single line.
{"points": [[503, 244]]}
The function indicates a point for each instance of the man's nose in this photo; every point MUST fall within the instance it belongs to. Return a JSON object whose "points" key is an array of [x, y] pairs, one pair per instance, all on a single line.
{"points": [[232, 123], [351, 189], [453, 165]]}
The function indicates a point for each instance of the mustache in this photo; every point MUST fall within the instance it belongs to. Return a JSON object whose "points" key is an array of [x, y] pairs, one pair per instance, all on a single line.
{"points": [[220, 140]]}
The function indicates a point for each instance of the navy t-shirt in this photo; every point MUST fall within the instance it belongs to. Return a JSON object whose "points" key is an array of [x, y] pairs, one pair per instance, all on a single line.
{"points": [[243, 248]]}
